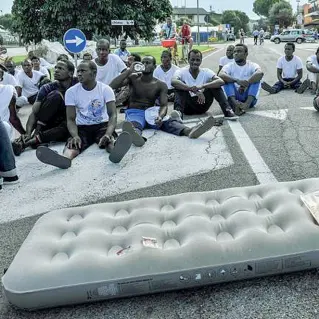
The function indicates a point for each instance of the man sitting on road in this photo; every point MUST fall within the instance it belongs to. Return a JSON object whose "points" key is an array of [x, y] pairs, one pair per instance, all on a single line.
{"points": [[11, 67], [91, 118], [197, 87], [165, 72], [47, 121], [186, 35], [289, 73], [109, 65], [312, 66], [169, 32], [122, 95], [37, 67], [28, 84], [242, 80], [8, 173], [228, 58], [122, 52], [8, 113], [43, 62], [142, 113], [87, 56], [6, 78]]}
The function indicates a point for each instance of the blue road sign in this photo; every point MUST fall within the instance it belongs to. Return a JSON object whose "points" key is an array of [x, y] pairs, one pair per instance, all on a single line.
{"points": [[227, 26], [74, 40]]}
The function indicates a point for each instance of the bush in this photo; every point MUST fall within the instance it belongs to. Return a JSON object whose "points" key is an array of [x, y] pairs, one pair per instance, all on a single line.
{"points": [[212, 39]]}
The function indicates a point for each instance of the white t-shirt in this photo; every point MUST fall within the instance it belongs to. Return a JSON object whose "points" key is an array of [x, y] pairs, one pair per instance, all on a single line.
{"points": [[289, 68], [224, 60], [29, 85], [111, 69], [241, 72], [44, 71], [313, 60], [90, 105], [205, 75], [6, 93], [9, 79], [166, 77]]}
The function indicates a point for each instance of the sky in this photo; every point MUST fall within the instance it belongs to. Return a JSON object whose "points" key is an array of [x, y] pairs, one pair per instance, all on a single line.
{"points": [[217, 5]]}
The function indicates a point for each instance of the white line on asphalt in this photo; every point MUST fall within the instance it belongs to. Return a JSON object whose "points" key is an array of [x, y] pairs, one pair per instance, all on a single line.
{"points": [[207, 56], [259, 167]]}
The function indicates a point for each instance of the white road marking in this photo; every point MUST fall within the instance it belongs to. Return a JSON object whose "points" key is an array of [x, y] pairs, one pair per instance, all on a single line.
{"points": [[92, 177], [274, 114], [309, 108], [256, 162]]}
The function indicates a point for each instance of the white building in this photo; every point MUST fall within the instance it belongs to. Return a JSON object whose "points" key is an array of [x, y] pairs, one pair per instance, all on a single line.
{"points": [[191, 14]]}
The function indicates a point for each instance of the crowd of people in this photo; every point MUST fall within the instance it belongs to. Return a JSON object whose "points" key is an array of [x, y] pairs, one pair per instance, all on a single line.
{"points": [[80, 111]]}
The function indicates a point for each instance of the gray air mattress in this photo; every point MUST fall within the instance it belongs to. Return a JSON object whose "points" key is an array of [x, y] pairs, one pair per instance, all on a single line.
{"points": [[148, 245]]}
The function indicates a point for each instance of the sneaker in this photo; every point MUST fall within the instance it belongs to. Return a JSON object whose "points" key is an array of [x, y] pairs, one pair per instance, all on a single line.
{"points": [[48, 156], [121, 147], [230, 115], [137, 139], [203, 127], [268, 88], [176, 115], [10, 180], [303, 87], [17, 148]]}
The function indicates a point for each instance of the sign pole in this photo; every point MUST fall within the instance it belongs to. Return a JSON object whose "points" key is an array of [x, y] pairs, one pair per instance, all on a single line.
{"points": [[76, 60]]}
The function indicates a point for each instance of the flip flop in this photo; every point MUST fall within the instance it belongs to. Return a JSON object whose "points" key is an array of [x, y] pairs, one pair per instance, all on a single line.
{"points": [[48, 156], [121, 147], [137, 139]]}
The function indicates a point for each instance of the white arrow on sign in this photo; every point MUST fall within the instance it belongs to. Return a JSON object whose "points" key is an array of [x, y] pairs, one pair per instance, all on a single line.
{"points": [[77, 41]]}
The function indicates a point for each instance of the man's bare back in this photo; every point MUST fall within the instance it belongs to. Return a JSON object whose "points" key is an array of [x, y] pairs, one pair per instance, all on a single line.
{"points": [[144, 94]]}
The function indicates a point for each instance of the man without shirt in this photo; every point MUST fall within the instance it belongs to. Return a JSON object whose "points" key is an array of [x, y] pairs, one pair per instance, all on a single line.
{"points": [[197, 87], [142, 113], [165, 72], [228, 58], [47, 121], [242, 80], [91, 118], [312, 66], [109, 65], [289, 73], [28, 81]]}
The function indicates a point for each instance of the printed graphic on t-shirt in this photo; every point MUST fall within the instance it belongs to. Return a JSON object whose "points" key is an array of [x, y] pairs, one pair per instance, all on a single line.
{"points": [[95, 112]]}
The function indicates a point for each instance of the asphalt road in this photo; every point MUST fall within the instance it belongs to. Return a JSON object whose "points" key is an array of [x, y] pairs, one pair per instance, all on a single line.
{"points": [[277, 141]]}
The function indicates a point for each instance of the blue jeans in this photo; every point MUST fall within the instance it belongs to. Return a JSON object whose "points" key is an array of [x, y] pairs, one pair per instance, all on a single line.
{"points": [[137, 118], [232, 91], [278, 86], [7, 161]]}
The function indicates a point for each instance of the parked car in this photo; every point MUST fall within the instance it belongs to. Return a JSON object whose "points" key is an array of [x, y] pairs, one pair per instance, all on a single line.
{"points": [[267, 35], [231, 37], [292, 35]]}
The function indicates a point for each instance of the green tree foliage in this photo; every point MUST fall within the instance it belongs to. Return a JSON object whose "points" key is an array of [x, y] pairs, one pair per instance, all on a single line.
{"points": [[281, 13], [236, 19], [180, 21], [49, 19], [262, 7], [6, 21], [261, 23]]}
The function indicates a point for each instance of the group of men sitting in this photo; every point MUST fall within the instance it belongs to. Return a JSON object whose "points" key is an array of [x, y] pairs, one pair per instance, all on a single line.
{"points": [[81, 111]]}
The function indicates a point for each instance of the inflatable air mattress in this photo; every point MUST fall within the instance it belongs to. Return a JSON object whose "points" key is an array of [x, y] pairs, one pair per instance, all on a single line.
{"points": [[149, 245]]}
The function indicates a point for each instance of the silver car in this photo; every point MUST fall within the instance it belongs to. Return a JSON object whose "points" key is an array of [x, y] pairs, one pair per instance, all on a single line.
{"points": [[293, 35]]}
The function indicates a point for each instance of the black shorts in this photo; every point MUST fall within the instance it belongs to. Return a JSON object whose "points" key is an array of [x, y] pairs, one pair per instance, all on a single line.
{"points": [[91, 134]]}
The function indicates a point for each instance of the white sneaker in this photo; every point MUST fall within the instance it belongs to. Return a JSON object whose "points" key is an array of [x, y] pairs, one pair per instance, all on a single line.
{"points": [[176, 115]]}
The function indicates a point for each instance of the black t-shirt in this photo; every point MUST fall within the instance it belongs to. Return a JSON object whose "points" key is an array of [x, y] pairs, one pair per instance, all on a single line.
{"points": [[50, 87]]}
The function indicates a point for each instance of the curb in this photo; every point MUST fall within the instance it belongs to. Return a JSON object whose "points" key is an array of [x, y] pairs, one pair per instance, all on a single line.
{"points": [[208, 50]]}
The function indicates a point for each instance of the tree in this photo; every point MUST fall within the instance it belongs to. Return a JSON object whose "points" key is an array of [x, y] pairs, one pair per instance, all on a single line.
{"points": [[181, 20], [236, 19], [262, 7], [281, 13], [261, 24], [6, 21], [49, 19]]}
